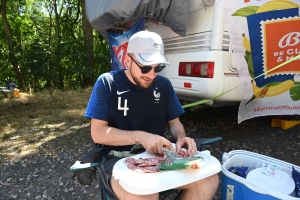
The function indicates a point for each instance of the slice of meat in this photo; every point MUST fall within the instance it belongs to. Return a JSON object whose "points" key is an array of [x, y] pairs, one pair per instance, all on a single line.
{"points": [[131, 166], [130, 163], [143, 162], [130, 160], [161, 157], [147, 169], [146, 165], [183, 153]]}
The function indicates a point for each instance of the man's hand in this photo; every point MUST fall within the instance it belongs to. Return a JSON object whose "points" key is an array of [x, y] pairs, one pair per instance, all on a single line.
{"points": [[155, 143], [178, 132], [188, 143]]}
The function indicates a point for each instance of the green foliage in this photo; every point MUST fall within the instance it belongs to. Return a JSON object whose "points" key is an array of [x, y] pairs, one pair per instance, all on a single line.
{"points": [[49, 45], [246, 11], [295, 92], [6, 136], [248, 57], [102, 55]]}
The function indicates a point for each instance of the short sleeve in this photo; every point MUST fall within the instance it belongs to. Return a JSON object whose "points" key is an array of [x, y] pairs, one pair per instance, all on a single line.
{"points": [[174, 107], [98, 107]]}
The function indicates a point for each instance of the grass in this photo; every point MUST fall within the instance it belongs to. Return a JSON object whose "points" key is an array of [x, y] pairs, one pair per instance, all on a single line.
{"points": [[28, 121]]}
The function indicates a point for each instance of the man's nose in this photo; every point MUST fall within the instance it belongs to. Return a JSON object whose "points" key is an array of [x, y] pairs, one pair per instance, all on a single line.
{"points": [[152, 74]]}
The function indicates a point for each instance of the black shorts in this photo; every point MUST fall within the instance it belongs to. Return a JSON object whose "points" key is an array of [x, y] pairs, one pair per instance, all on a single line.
{"points": [[105, 170]]}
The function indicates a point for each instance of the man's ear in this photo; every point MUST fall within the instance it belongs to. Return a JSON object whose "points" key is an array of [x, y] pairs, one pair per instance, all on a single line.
{"points": [[128, 61]]}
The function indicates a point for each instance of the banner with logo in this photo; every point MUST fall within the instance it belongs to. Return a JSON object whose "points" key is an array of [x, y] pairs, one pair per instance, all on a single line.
{"points": [[118, 44], [265, 34]]}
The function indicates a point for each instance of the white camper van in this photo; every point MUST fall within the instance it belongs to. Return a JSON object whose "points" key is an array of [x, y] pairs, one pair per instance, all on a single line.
{"points": [[202, 63]]}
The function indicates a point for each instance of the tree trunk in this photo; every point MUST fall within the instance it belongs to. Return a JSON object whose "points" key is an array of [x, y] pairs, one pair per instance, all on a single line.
{"points": [[59, 78], [9, 40], [88, 78]]}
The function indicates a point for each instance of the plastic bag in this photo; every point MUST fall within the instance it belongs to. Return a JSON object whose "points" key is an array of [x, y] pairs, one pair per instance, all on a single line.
{"points": [[240, 171], [181, 163]]}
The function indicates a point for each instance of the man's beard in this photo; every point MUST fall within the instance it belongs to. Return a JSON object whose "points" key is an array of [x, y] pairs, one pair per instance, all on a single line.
{"points": [[137, 80]]}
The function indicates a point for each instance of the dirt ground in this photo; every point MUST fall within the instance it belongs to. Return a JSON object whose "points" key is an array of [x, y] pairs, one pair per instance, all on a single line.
{"points": [[42, 135]]}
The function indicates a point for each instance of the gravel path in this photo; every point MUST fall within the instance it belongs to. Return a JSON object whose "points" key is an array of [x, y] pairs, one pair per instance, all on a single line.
{"points": [[46, 174]]}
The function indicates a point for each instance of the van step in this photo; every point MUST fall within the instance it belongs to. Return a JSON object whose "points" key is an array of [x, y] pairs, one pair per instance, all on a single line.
{"points": [[284, 124]]}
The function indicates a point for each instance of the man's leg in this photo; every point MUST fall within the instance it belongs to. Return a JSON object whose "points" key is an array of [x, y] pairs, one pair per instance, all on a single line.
{"points": [[114, 189], [124, 195], [204, 189]]}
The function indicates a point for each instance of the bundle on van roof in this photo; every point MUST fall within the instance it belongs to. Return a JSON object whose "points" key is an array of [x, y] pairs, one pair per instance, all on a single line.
{"points": [[106, 14]]}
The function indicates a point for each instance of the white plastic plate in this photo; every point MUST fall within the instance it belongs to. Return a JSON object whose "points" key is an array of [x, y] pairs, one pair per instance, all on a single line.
{"points": [[148, 183]]}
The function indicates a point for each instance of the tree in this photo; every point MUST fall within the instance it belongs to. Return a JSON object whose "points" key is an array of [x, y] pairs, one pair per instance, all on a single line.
{"points": [[88, 79], [10, 44], [50, 44]]}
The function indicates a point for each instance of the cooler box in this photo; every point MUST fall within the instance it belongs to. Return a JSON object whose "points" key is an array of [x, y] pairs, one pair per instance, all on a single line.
{"points": [[257, 184]]}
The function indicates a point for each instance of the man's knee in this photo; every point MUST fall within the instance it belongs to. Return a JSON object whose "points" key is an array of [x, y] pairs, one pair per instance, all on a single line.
{"points": [[214, 181], [202, 189]]}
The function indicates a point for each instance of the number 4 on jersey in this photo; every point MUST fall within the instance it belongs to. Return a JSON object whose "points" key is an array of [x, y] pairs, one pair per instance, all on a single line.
{"points": [[125, 108]]}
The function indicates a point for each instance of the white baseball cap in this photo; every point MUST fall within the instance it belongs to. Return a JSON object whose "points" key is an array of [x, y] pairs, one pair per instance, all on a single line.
{"points": [[147, 47]]}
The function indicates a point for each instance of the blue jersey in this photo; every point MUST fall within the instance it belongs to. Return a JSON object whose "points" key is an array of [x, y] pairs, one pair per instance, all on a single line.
{"points": [[126, 106]]}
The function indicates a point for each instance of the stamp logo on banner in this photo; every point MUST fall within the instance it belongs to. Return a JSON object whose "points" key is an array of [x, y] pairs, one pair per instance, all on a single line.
{"points": [[266, 30], [275, 38], [281, 42]]}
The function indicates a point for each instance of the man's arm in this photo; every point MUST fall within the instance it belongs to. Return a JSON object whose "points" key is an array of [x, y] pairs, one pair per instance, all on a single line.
{"points": [[176, 128], [103, 134], [183, 141]]}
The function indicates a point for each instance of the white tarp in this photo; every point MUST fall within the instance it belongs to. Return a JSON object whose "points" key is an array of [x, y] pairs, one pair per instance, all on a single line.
{"points": [[104, 14]]}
